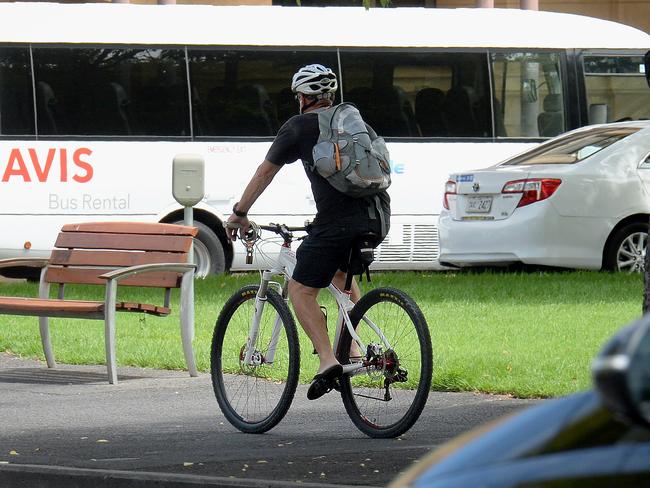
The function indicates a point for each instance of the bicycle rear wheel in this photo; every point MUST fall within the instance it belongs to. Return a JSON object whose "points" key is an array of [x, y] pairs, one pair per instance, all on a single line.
{"points": [[386, 396], [254, 397]]}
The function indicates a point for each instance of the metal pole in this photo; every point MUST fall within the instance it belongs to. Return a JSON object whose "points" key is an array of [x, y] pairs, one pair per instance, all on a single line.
{"points": [[188, 213]]}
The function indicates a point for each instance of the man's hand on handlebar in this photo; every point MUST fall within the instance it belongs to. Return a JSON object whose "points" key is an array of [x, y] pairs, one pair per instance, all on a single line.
{"points": [[236, 225]]}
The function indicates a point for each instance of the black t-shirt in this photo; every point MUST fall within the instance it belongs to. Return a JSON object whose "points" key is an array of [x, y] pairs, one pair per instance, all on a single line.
{"points": [[295, 140]]}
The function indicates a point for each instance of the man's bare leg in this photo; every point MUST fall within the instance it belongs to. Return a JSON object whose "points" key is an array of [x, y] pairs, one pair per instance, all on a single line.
{"points": [[312, 320], [339, 282], [355, 296]]}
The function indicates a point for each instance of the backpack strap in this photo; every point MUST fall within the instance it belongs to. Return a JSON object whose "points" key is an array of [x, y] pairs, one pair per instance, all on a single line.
{"points": [[324, 130], [375, 210], [325, 118], [371, 132]]}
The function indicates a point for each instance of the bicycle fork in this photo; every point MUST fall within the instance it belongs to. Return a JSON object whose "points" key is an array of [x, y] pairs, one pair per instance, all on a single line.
{"points": [[253, 356]]}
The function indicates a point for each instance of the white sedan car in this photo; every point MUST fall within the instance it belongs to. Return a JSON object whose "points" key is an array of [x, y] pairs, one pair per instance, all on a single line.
{"points": [[580, 200]]}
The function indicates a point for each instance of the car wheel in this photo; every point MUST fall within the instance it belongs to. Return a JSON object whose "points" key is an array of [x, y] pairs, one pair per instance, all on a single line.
{"points": [[209, 255], [626, 250]]}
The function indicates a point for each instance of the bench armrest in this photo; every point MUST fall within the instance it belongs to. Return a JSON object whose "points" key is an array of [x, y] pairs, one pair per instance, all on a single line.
{"points": [[119, 274], [30, 262]]}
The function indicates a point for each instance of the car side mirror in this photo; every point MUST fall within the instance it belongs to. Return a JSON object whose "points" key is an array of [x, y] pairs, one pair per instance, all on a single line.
{"points": [[622, 372], [646, 62]]}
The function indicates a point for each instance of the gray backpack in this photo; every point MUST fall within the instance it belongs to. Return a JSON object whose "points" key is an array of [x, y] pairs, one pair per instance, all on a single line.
{"points": [[349, 154]]}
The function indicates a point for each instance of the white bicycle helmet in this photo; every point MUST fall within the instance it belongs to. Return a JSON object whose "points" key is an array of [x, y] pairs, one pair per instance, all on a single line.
{"points": [[314, 80]]}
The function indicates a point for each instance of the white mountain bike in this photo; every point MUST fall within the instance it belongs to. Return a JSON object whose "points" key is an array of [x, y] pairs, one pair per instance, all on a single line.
{"points": [[382, 341]]}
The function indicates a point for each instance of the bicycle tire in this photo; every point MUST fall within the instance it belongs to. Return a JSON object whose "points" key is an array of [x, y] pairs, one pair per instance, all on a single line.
{"points": [[266, 389], [375, 409]]}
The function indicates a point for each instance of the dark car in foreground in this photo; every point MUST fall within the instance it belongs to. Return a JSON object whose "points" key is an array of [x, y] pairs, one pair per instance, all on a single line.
{"points": [[599, 438]]}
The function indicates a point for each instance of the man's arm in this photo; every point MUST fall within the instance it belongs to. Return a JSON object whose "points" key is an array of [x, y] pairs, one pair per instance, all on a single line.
{"points": [[263, 176]]}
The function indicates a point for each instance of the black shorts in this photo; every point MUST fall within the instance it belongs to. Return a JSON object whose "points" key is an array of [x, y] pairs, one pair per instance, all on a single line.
{"points": [[327, 249]]}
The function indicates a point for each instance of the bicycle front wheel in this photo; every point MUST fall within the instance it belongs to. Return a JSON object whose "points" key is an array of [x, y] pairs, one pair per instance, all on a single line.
{"points": [[387, 395], [255, 395]]}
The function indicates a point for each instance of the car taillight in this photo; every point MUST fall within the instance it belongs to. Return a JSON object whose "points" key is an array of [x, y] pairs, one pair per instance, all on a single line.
{"points": [[532, 190], [450, 189]]}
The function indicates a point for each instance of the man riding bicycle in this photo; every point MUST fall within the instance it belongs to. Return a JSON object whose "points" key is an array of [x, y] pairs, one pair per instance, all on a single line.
{"points": [[322, 257]]}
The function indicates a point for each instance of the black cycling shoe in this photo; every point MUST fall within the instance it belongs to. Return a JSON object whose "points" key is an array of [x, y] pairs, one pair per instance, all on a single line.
{"points": [[324, 382]]}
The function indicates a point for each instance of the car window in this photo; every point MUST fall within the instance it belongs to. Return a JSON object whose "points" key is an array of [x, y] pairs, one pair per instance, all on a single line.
{"points": [[572, 148]]}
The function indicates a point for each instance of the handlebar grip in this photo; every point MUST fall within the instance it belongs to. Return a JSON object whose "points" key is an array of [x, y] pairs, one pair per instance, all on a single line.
{"points": [[231, 225]]}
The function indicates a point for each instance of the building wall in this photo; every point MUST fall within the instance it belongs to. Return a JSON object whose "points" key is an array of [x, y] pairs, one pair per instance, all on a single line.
{"points": [[631, 12]]}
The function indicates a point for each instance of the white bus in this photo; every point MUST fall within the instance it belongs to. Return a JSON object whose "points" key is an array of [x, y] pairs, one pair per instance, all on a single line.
{"points": [[97, 99]]}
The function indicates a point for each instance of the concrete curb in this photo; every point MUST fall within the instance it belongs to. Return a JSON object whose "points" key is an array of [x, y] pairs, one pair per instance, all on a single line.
{"points": [[33, 475]]}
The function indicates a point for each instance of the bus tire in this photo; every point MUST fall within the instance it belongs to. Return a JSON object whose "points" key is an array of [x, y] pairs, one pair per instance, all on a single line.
{"points": [[208, 251]]}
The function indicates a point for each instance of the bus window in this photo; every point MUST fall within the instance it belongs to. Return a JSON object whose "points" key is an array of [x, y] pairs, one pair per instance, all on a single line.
{"points": [[111, 92], [16, 102], [528, 94], [419, 94], [404, 94], [246, 93], [616, 88]]}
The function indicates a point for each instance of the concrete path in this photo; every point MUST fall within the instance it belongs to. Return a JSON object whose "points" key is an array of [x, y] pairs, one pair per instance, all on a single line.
{"points": [[69, 427]]}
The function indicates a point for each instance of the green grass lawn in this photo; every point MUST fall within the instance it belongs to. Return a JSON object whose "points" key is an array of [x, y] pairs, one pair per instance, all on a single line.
{"points": [[527, 334]]}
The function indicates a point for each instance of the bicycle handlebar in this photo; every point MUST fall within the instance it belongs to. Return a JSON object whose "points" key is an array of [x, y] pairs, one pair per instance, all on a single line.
{"points": [[270, 227], [252, 234], [278, 227]]}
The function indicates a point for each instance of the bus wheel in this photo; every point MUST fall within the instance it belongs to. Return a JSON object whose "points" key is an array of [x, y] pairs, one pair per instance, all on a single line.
{"points": [[208, 251]]}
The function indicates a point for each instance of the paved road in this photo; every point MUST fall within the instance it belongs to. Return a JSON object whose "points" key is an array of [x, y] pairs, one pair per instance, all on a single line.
{"points": [[166, 422]]}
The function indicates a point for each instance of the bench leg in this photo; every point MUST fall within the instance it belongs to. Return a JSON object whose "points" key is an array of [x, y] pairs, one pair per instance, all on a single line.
{"points": [[43, 325], [109, 330], [187, 323]]}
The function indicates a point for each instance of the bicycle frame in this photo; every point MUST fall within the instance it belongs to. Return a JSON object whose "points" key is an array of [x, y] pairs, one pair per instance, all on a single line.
{"points": [[284, 267]]}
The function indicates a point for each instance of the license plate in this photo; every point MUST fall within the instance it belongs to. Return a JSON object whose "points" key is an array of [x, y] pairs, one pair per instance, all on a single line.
{"points": [[478, 204]]}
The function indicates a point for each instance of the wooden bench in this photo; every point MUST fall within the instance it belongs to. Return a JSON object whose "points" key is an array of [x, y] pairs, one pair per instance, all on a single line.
{"points": [[108, 253]]}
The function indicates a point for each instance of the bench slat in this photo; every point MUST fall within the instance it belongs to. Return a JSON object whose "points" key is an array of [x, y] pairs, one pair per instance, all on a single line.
{"points": [[131, 228], [90, 276], [86, 240], [43, 305], [51, 307], [76, 257], [144, 308]]}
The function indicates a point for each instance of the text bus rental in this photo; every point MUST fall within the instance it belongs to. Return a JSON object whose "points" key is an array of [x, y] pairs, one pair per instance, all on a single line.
{"points": [[97, 99]]}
